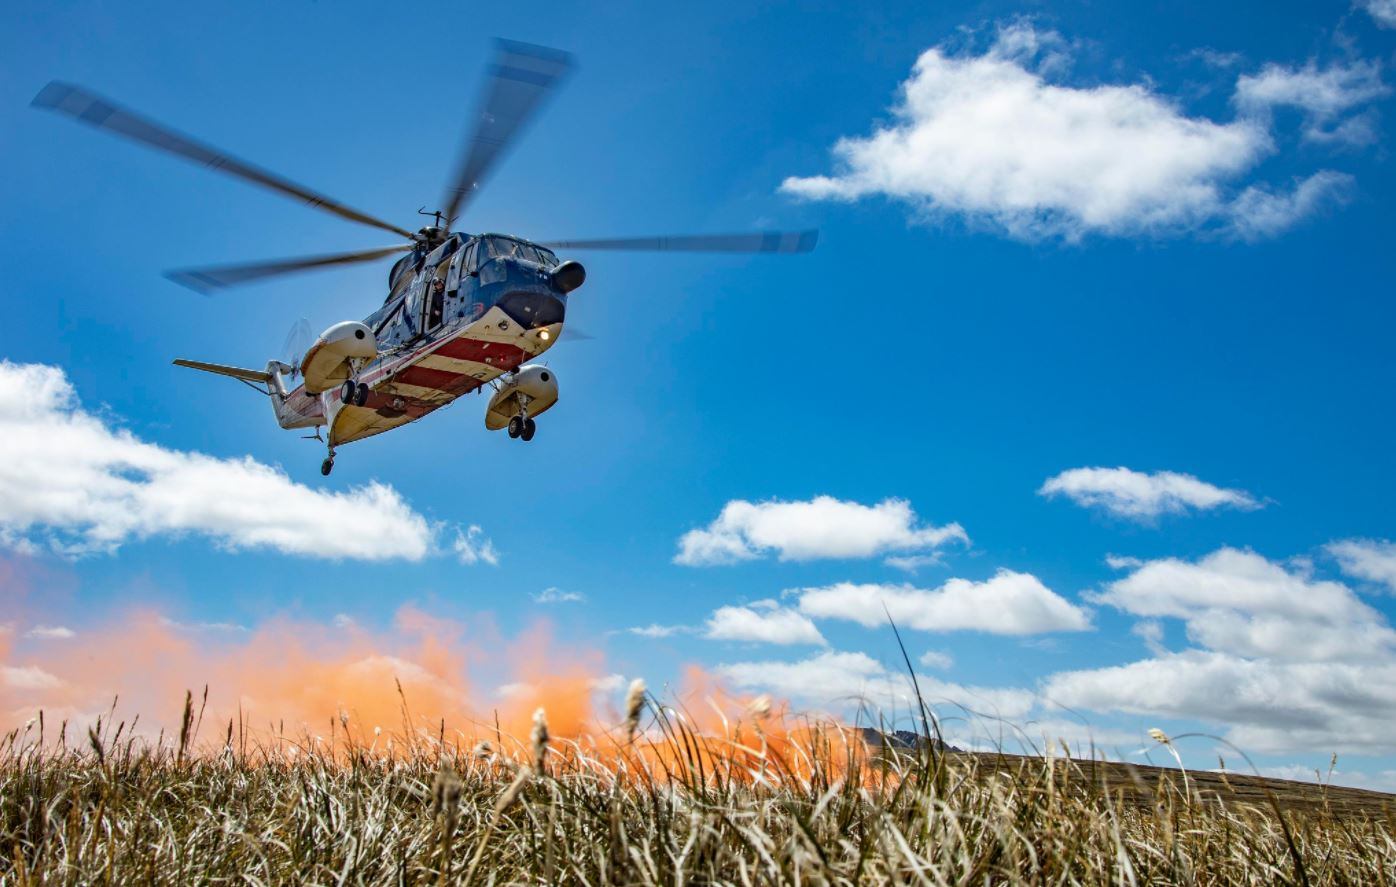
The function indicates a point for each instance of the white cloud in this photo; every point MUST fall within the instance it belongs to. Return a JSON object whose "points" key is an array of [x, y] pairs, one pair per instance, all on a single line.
{"points": [[1063, 736], [1292, 772], [1009, 603], [837, 678], [995, 138], [1238, 602], [823, 527], [555, 595], [611, 683], [1370, 559], [200, 627], [1325, 96], [1140, 496], [655, 630], [50, 633], [1283, 660], [1259, 211], [936, 659], [515, 690], [1214, 58], [1150, 631], [28, 677], [912, 562], [1267, 706], [472, 547], [1382, 11], [72, 483], [827, 677], [762, 625]]}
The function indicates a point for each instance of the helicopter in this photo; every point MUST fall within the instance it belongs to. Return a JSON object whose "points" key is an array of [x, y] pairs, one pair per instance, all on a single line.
{"points": [[462, 312]]}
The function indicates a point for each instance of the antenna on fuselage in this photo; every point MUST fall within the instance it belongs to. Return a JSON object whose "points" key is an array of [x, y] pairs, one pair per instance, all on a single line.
{"points": [[436, 215]]}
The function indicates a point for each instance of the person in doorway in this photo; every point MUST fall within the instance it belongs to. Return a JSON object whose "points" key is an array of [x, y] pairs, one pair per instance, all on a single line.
{"points": [[438, 303]]}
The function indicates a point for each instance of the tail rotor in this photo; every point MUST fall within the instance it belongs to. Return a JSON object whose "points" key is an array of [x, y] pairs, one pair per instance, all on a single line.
{"points": [[298, 340]]}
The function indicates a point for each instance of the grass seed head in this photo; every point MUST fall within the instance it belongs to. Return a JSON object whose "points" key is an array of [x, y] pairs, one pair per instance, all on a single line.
{"points": [[539, 738], [634, 705], [760, 707], [445, 794]]}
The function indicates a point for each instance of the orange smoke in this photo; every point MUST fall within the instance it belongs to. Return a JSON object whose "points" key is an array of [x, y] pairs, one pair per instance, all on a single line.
{"points": [[344, 689], [425, 674]]}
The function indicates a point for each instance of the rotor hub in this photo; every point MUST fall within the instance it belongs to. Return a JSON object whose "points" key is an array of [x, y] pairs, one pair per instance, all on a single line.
{"points": [[433, 235]]}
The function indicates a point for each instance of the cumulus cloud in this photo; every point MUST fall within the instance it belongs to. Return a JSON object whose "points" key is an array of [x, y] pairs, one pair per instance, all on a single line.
{"points": [[1381, 11], [998, 139], [50, 633], [1267, 706], [823, 527], [837, 678], [766, 625], [554, 595], [1324, 95], [224, 627], [1009, 603], [473, 547], [936, 659], [72, 483], [1139, 496], [1283, 660], [655, 630], [1238, 602], [1370, 559], [1150, 631], [1260, 211], [611, 683], [28, 677], [910, 563]]}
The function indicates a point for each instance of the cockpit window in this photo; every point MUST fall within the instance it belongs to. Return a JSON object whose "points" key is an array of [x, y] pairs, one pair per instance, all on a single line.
{"points": [[507, 246]]}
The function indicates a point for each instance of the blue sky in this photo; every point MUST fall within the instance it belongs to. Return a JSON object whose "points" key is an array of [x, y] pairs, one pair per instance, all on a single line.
{"points": [[1155, 239]]}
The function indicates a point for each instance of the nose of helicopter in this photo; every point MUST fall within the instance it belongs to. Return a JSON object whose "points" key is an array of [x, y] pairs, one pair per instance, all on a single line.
{"points": [[532, 295]]}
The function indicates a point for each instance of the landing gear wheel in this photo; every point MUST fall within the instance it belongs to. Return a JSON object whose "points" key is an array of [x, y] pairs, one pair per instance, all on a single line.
{"points": [[361, 395], [529, 426], [347, 392], [515, 426], [327, 466]]}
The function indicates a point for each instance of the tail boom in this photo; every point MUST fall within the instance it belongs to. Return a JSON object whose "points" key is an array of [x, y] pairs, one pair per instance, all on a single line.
{"points": [[294, 409]]}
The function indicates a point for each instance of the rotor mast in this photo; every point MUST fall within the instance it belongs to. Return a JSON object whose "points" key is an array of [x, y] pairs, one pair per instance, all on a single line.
{"points": [[435, 234]]}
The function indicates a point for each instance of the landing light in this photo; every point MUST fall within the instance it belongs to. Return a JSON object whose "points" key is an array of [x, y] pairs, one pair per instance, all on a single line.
{"points": [[545, 335]]}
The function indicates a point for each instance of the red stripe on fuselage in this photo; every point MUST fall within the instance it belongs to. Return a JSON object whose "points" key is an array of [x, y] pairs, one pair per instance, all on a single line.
{"points": [[499, 354], [426, 377]]}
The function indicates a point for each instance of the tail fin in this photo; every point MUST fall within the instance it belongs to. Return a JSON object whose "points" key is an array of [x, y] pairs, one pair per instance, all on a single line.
{"points": [[236, 372], [273, 380]]}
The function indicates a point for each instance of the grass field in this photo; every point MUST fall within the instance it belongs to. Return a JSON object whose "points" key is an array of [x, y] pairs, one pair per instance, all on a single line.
{"points": [[657, 800]]}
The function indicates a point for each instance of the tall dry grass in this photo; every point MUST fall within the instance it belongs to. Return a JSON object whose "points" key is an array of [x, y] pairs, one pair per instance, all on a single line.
{"points": [[658, 801]]}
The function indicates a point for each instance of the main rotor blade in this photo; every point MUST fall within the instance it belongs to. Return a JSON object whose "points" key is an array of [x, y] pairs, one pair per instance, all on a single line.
{"points": [[520, 78], [206, 280], [570, 333], [768, 242], [86, 107]]}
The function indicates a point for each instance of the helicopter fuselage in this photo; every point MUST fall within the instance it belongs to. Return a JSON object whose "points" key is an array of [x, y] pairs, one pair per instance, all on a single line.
{"points": [[456, 318]]}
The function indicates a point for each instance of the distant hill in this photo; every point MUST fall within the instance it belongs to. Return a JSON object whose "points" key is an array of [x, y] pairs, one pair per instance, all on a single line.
{"points": [[1143, 784]]}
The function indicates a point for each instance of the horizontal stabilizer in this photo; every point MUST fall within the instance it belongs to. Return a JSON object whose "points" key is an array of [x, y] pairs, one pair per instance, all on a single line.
{"points": [[220, 369]]}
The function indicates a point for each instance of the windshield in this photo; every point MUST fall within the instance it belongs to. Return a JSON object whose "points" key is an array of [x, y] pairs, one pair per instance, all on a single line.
{"points": [[507, 246]]}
